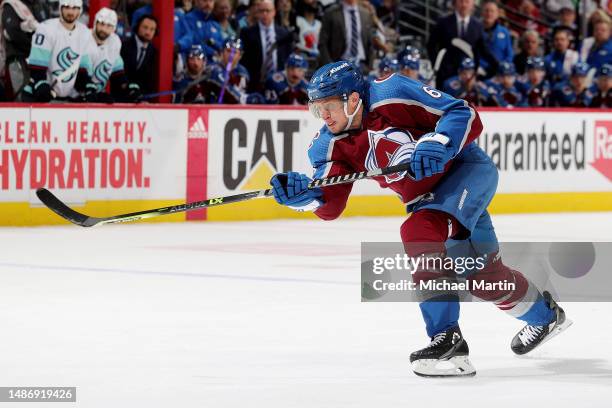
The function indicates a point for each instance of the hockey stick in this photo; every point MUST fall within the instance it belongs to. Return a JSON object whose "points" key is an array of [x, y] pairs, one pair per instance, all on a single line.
{"points": [[75, 217]]}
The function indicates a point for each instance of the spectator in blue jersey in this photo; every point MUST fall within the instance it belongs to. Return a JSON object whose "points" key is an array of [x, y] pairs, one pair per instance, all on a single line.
{"points": [[603, 88], [505, 85], [288, 87], [597, 50], [223, 15], [574, 92], [466, 86], [189, 84], [534, 86], [206, 31], [560, 61], [496, 37]]}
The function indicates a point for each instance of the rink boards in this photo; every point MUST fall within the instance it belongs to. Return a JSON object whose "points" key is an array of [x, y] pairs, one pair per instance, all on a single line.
{"points": [[104, 160]]}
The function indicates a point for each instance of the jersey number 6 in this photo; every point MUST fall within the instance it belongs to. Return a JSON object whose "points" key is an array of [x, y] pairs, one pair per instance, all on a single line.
{"points": [[432, 92]]}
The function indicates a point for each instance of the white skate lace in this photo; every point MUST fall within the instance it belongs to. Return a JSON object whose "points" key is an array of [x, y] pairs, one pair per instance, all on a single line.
{"points": [[438, 338], [529, 334]]}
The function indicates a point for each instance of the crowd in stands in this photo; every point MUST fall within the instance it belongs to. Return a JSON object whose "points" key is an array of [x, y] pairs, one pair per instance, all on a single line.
{"points": [[507, 53]]}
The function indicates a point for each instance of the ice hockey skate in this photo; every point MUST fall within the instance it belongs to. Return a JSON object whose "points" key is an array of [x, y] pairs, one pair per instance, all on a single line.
{"points": [[531, 337], [446, 356]]}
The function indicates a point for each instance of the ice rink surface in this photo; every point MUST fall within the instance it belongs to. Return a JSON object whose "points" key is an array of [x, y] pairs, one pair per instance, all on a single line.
{"points": [[267, 314]]}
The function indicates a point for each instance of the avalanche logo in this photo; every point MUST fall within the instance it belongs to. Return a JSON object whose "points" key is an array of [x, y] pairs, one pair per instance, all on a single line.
{"points": [[389, 147], [65, 59], [102, 72]]}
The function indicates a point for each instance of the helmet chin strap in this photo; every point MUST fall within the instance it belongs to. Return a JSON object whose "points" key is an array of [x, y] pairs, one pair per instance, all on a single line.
{"points": [[352, 116]]}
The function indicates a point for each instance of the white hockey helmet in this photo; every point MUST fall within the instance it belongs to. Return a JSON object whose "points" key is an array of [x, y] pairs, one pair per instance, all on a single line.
{"points": [[70, 3], [106, 16]]}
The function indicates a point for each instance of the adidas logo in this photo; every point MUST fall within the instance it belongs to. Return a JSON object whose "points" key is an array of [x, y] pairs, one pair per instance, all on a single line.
{"points": [[198, 129]]}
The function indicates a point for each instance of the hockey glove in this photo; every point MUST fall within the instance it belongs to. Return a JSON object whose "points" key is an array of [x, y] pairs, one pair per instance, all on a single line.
{"points": [[134, 94], [291, 189], [91, 92], [42, 92], [431, 153]]}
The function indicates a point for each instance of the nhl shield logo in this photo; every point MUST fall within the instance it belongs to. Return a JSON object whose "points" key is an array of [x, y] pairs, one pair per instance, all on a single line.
{"points": [[389, 147]]}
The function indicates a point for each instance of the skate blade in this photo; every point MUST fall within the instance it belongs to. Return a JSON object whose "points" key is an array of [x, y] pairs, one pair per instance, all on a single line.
{"points": [[554, 332], [458, 366]]}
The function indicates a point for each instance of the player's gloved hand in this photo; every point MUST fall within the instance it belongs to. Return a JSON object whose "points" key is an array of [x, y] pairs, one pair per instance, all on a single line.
{"points": [[42, 92], [255, 98], [134, 94], [291, 189], [91, 93], [431, 153]]}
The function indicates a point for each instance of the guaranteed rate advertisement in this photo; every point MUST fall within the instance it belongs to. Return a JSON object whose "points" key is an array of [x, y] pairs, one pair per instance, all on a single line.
{"points": [[89, 155]]}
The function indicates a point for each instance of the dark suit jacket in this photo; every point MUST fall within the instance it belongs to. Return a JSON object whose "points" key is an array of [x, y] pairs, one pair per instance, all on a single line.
{"points": [[332, 37], [145, 75], [440, 38], [252, 59]]}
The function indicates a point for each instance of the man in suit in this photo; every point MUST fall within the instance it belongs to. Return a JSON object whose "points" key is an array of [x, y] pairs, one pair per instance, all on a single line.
{"points": [[266, 46], [139, 55], [347, 33], [460, 24]]}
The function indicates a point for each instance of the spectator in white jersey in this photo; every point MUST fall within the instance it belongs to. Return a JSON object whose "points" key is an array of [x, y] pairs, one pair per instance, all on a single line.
{"points": [[107, 61], [60, 61]]}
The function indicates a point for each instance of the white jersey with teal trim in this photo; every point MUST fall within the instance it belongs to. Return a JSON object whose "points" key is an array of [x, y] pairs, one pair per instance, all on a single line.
{"points": [[58, 49], [106, 60]]}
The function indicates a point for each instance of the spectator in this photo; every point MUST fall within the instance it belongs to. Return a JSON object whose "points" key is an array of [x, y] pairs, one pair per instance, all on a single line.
{"points": [[347, 33], [463, 25], [573, 92], [107, 62], [603, 88], [190, 85], [528, 16], [223, 15], [145, 8], [466, 86], [567, 16], [530, 47], [285, 15], [206, 31], [251, 17], [288, 87], [535, 88], [496, 37], [597, 50], [387, 13], [508, 94], [183, 37], [19, 21], [266, 46], [560, 61], [139, 54], [60, 61], [308, 26]]}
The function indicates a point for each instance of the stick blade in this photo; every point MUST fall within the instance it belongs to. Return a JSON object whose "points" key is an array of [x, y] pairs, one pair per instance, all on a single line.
{"points": [[61, 209]]}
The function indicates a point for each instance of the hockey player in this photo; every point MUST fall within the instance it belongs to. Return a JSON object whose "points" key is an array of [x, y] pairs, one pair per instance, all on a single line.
{"points": [[107, 62], [466, 86], [409, 62], [60, 61], [505, 86], [399, 120], [386, 67], [191, 85], [603, 88], [288, 87], [229, 86], [534, 87], [575, 91]]}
